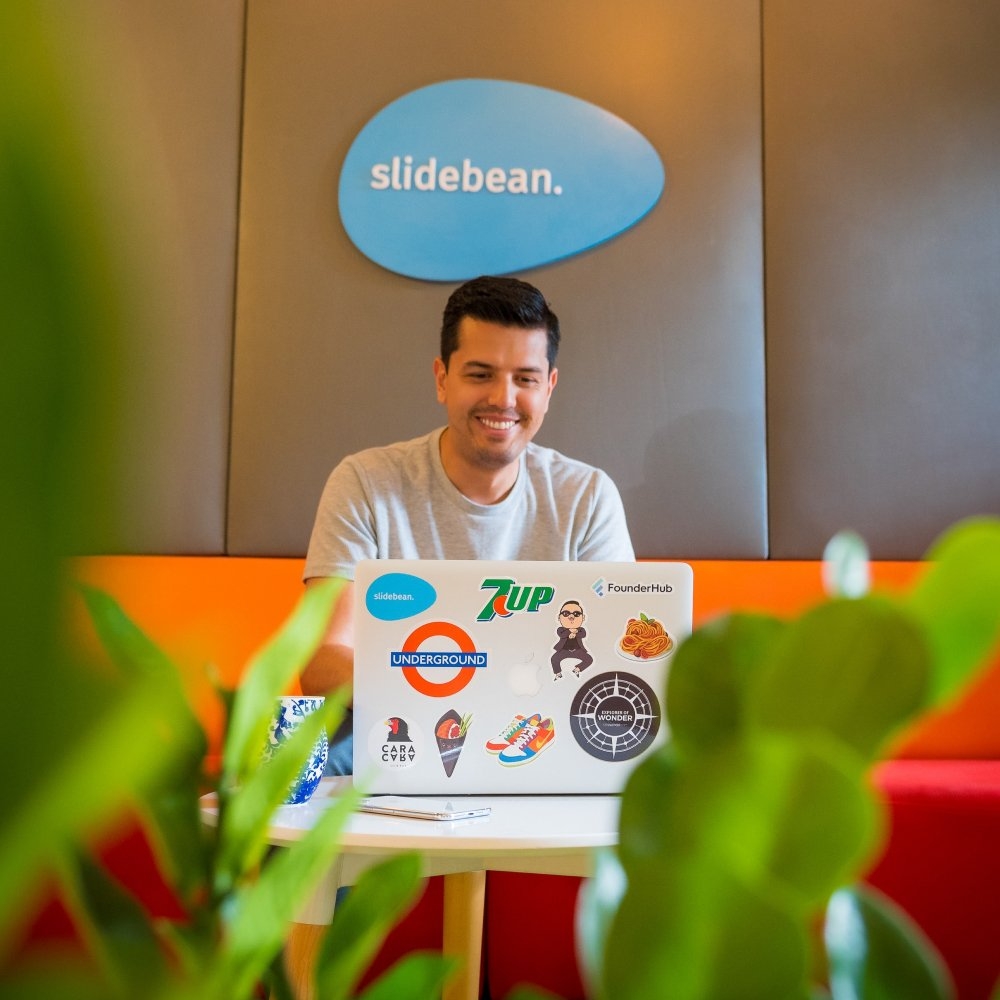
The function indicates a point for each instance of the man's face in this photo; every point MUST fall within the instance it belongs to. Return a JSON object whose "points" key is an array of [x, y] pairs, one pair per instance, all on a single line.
{"points": [[496, 390]]}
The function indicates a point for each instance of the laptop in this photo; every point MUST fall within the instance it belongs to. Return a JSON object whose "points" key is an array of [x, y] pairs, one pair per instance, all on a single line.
{"points": [[477, 677]]}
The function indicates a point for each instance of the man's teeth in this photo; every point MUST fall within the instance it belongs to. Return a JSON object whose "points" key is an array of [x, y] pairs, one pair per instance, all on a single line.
{"points": [[498, 425]]}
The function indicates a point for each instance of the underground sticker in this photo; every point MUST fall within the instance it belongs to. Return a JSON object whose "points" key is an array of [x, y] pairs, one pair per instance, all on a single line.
{"points": [[465, 660], [615, 716]]}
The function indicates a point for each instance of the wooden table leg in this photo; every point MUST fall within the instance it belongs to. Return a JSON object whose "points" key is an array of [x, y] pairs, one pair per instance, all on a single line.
{"points": [[301, 950], [464, 899]]}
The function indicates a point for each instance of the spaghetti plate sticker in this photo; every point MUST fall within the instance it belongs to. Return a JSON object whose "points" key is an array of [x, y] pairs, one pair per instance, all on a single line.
{"points": [[615, 716]]}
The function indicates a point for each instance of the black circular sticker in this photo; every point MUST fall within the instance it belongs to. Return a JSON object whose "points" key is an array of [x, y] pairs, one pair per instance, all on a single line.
{"points": [[615, 716]]}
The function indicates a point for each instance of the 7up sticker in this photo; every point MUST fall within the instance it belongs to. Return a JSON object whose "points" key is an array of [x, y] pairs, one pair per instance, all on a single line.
{"points": [[509, 597]]}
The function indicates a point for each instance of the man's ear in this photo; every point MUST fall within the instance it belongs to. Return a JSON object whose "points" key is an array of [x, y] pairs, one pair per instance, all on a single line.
{"points": [[440, 370]]}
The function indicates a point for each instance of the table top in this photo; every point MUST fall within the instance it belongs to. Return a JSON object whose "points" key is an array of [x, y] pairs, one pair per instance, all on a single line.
{"points": [[534, 824]]}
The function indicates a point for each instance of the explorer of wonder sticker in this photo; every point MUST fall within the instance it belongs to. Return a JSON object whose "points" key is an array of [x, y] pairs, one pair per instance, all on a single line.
{"points": [[615, 716]]}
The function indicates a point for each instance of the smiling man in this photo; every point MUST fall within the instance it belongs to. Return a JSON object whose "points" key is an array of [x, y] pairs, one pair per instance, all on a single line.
{"points": [[478, 488]]}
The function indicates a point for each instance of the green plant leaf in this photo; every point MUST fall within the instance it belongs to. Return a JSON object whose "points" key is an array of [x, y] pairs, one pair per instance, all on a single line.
{"points": [[68, 799], [525, 991], [856, 670], [170, 804], [68, 981], [257, 914], [877, 952], [694, 933], [819, 822], [957, 601], [599, 900], [761, 830], [268, 674], [773, 810], [376, 902], [418, 976], [116, 928], [709, 678]]}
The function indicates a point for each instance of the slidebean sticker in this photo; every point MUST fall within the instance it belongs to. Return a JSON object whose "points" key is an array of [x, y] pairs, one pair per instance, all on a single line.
{"points": [[395, 596], [470, 177]]}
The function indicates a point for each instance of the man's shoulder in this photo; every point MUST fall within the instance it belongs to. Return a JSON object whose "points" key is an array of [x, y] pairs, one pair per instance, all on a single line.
{"points": [[397, 454], [549, 462]]}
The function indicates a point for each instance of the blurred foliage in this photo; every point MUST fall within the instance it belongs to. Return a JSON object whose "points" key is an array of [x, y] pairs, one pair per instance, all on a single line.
{"points": [[759, 815], [88, 742], [60, 286], [239, 896]]}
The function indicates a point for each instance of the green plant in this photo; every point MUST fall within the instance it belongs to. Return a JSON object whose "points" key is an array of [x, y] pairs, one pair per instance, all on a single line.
{"points": [[239, 896], [85, 741], [759, 816]]}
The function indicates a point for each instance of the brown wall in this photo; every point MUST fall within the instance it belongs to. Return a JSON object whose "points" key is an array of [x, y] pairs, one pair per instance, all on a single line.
{"points": [[841, 157]]}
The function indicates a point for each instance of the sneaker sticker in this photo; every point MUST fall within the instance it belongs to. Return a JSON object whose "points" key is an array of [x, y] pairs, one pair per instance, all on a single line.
{"points": [[450, 732], [395, 743], [615, 716], [532, 738], [510, 732]]}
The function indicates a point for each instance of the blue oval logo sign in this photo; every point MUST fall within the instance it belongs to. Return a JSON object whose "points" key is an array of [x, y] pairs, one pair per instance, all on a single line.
{"points": [[392, 597], [471, 177]]}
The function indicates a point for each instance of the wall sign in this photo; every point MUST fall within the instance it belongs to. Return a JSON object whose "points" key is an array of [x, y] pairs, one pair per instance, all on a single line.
{"points": [[470, 177]]}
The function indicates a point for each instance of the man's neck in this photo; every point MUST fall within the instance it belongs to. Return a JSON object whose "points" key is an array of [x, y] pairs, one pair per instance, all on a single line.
{"points": [[482, 486]]}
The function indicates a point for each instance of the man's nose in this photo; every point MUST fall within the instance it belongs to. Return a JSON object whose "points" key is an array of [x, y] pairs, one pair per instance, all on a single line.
{"points": [[503, 393]]}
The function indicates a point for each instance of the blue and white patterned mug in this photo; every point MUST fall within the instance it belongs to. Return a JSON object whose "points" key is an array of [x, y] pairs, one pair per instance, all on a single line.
{"points": [[288, 715]]}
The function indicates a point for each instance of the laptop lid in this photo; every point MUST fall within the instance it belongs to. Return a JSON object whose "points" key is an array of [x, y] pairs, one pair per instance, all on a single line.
{"points": [[512, 677]]}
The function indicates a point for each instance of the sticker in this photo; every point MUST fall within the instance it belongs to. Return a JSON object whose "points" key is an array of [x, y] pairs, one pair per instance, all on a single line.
{"points": [[450, 732], [645, 640], [466, 659], [615, 716], [395, 743], [525, 737], [393, 597]]}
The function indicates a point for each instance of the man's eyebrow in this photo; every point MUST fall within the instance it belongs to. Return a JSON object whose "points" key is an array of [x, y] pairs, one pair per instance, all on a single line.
{"points": [[486, 366]]}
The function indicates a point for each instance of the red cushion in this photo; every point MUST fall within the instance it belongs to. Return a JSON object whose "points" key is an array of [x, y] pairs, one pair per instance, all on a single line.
{"points": [[942, 861]]}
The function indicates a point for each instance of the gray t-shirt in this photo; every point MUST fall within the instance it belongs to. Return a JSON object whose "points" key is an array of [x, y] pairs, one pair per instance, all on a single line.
{"points": [[396, 502]]}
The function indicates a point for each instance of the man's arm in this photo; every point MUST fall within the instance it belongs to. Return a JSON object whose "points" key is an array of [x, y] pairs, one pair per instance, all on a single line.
{"points": [[332, 665]]}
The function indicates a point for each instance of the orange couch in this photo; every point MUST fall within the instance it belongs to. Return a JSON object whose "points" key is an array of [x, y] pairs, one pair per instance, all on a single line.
{"points": [[219, 610]]}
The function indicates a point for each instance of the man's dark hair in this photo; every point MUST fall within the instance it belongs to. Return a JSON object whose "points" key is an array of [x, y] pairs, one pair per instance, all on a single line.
{"points": [[506, 301]]}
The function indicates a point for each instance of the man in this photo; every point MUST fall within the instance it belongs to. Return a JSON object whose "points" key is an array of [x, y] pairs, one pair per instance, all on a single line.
{"points": [[477, 488]]}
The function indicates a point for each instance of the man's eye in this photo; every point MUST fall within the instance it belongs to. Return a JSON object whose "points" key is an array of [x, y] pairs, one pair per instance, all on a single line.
{"points": [[528, 380]]}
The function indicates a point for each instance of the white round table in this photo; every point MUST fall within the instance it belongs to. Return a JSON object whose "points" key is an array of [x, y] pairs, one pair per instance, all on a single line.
{"points": [[541, 834]]}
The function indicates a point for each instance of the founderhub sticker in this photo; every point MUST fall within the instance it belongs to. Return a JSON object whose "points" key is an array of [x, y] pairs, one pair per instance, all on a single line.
{"points": [[472, 177]]}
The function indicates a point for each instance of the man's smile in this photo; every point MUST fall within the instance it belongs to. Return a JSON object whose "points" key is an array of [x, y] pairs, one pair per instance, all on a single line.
{"points": [[496, 423]]}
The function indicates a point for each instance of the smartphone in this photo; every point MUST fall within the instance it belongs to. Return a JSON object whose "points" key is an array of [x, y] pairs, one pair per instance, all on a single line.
{"points": [[420, 808]]}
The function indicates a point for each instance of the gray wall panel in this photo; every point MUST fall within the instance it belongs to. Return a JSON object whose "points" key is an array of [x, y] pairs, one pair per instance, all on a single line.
{"points": [[160, 92], [883, 252], [661, 377]]}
